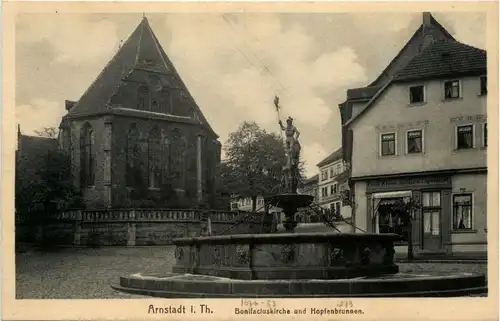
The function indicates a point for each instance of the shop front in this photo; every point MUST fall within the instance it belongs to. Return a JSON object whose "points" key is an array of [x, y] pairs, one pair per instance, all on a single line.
{"points": [[429, 221]]}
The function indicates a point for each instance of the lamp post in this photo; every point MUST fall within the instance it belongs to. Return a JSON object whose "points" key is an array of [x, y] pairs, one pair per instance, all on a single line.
{"points": [[411, 215]]}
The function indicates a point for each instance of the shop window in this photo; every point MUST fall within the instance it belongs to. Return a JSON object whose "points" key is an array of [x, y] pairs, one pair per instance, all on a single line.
{"points": [[391, 220], [462, 212]]}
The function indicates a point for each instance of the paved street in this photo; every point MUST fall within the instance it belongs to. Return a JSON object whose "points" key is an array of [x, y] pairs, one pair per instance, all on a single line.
{"points": [[86, 273]]}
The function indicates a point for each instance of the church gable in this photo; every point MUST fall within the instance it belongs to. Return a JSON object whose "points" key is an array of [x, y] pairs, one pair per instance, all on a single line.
{"points": [[140, 77]]}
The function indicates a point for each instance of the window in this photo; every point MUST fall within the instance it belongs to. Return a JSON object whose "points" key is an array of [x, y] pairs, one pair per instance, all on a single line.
{"points": [[462, 211], [324, 175], [165, 103], [337, 208], [87, 160], [485, 134], [332, 173], [133, 174], [339, 168], [431, 212], [388, 144], [143, 98], [465, 137], [391, 219], [417, 94], [414, 141], [484, 85], [249, 201], [452, 89], [324, 191], [333, 189], [154, 158], [234, 206]]}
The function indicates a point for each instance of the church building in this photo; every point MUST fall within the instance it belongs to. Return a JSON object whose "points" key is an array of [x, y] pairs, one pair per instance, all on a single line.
{"points": [[137, 138]]}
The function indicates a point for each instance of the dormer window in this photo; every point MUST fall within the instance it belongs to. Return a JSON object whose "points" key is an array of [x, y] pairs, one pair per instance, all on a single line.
{"points": [[484, 85], [452, 89], [417, 94]]}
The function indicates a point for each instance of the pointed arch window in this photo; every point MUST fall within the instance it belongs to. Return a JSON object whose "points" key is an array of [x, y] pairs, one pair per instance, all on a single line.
{"points": [[133, 158], [143, 98], [176, 151], [165, 103], [154, 158], [87, 159]]}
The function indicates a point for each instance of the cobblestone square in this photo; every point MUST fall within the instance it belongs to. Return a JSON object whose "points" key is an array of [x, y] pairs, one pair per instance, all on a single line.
{"points": [[84, 273]]}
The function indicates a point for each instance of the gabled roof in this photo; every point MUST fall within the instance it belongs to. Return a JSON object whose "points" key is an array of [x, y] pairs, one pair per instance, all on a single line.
{"points": [[336, 155], [311, 180], [433, 23], [442, 59], [366, 93], [141, 50], [438, 60]]}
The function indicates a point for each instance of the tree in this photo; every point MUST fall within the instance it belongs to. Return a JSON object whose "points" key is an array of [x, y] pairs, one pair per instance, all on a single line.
{"points": [[44, 183], [407, 208], [49, 132], [253, 163]]}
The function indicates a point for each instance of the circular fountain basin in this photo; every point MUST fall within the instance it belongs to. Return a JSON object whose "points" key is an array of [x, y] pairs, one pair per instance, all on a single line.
{"points": [[294, 265], [287, 256], [171, 285]]}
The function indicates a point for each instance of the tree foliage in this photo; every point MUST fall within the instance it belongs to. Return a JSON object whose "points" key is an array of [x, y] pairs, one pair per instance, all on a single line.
{"points": [[45, 181], [253, 163], [49, 132]]}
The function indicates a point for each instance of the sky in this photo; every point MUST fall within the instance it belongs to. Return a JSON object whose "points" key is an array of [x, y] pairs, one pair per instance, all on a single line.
{"points": [[233, 64]]}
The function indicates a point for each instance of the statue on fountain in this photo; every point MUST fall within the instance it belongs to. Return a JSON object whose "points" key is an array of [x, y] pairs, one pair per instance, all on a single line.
{"points": [[291, 141], [292, 148]]}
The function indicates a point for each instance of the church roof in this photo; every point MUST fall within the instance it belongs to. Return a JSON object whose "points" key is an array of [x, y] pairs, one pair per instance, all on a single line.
{"points": [[336, 155], [141, 50], [442, 59]]}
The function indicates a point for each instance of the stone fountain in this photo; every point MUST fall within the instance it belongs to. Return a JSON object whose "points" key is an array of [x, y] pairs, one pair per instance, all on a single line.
{"points": [[293, 264]]}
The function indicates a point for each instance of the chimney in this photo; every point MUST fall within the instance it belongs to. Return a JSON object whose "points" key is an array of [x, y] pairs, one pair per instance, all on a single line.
{"points": [[426, 19], [427, 37], [69, 104]]}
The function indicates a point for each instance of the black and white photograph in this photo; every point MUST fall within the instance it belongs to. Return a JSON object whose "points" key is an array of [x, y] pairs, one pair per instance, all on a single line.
{"points": [[252, 155]]}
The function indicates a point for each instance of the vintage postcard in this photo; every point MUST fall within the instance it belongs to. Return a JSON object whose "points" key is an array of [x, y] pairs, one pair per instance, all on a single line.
{"points": [[207, 161]]}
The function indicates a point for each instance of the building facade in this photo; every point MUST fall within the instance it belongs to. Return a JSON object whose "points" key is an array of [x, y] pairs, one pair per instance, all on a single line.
{"points": [[137, 138], [423, 136], [331, 182], [246, 204]]}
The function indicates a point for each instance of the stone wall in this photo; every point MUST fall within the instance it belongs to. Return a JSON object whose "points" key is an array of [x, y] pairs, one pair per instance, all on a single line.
{"points": [[133, 227]]}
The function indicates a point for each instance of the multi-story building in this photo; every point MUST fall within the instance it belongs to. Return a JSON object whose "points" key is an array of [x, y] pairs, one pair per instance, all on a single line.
{"points": [[422, 135], [246, 204], [331, 182]]}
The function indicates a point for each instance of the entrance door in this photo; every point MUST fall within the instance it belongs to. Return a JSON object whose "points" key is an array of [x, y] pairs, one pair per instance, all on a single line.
{"points": [[431, 221]]}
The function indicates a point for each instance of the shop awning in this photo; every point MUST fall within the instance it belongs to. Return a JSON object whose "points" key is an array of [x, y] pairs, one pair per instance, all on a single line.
{"points": [[387, 198], [391, 195]]}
